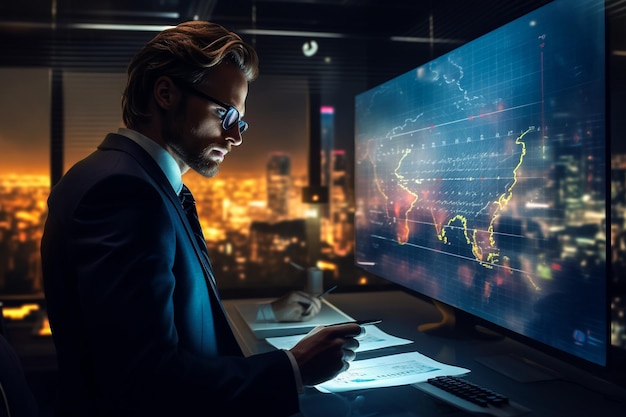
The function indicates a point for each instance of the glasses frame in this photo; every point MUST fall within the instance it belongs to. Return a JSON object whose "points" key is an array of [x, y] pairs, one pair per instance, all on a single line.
{"points": [[243, 125]]}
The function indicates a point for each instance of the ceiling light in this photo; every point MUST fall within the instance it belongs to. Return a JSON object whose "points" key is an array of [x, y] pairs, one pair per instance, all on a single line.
{"points": [[310, 48]]}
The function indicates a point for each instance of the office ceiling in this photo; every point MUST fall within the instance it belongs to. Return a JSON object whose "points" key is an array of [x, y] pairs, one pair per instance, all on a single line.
{"points": [[92, 33], [360, 18], [364, 39]]}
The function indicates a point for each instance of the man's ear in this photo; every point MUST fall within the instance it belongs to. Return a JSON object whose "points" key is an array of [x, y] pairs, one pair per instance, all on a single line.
{"points": [[165, 92]]}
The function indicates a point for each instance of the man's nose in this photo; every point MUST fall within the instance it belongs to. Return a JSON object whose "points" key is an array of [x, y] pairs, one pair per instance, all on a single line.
{"points": [[234, 136]]}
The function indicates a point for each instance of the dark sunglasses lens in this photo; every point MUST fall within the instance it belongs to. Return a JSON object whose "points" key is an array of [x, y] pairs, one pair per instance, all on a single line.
{"points": [[243, 126], [230, 118]]}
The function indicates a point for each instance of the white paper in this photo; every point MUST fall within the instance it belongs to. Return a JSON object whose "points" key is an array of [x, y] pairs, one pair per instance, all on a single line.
{"points": [[374, 338], [388, 371], [248, 310]]}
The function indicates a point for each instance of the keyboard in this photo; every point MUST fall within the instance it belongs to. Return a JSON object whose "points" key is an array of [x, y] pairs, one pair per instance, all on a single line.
{"points": [[471, 397]]}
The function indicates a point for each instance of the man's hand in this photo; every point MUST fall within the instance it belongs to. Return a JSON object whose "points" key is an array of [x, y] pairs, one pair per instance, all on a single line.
{"points": [[325, 352], [296, 306]]}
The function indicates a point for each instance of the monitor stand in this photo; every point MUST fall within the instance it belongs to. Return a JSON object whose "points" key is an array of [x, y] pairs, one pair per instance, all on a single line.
{"points": [[456, 324]]}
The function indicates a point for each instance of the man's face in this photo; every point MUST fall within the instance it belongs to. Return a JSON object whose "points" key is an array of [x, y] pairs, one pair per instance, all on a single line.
{"points": [[194, 131]]}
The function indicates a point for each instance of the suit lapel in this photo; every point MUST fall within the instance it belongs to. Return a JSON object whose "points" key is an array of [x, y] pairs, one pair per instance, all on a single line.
{"points": [[122, 143]]}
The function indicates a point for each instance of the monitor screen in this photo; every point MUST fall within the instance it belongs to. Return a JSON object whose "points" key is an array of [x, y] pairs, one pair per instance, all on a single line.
{"points": [[480, 178]]}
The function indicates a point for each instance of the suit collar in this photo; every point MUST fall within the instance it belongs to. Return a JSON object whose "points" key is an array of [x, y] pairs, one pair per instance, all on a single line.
{"points": [[122, 143], [162, 157]]}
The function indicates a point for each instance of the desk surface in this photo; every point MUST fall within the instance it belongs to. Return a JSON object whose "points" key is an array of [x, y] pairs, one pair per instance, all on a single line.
{"points": [[574, 393]]}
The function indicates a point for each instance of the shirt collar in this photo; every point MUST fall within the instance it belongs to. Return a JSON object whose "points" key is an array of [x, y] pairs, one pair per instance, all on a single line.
{"points": [[162, 157]]}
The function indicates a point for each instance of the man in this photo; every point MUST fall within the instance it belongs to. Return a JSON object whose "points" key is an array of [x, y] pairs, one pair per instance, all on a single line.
{"points": [[131, 298]]}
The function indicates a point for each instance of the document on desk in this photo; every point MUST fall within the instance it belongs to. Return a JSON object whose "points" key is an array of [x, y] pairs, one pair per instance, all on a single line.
{"points": [[374, 338], [248, 310], [388, 371]]}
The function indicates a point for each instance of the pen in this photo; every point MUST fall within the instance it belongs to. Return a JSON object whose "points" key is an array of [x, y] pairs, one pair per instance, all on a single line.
{"points": [[359, 322], [367, 322], [325, 293], [307, 308]]}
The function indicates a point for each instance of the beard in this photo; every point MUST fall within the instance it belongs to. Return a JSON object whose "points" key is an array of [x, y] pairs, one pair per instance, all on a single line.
{"points": [[182, 143], [203, 165], [200, 162]]}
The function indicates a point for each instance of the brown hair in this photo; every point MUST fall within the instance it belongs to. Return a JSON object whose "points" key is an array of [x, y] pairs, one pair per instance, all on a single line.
{"points": [[185, 52]]}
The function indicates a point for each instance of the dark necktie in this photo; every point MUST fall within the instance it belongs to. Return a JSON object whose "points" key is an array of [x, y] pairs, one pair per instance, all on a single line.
{"points": [[189, 206], [229, 344]]}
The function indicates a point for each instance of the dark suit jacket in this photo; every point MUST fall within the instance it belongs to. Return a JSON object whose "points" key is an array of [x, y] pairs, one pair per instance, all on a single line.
{"points": [[132, 303]]}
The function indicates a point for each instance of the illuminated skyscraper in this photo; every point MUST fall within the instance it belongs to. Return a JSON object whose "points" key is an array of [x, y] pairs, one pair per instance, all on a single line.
{"points": [[327, 138], [278, 185], [327, 120], [341, 215]]}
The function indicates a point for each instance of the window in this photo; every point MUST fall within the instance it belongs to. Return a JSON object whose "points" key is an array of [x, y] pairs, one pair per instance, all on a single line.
{"points": [[24, 178]]}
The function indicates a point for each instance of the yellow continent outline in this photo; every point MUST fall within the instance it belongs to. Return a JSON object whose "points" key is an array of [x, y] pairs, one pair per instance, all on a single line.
{"points": [[500, 204]]}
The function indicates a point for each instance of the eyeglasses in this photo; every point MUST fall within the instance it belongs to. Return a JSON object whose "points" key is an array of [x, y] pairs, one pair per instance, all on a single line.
{"points": [[229, 119]]}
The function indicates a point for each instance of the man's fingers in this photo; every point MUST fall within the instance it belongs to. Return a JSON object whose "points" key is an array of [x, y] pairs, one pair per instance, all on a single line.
{"points": [[351, 343], [345, 330], [349, 355]]}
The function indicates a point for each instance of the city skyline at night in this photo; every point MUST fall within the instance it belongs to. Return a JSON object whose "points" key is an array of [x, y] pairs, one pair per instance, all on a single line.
{"points": [[230, 204]]}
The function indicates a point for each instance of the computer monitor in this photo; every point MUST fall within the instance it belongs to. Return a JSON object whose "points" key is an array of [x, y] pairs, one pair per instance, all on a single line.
{"points": [[480, 179]]}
